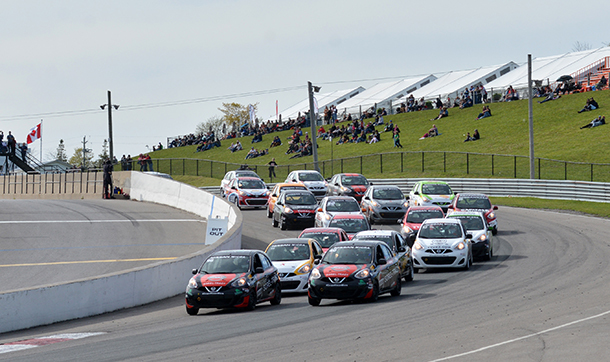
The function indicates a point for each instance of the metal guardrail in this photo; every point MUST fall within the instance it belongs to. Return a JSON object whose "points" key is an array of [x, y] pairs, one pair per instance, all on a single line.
{"points": [[545, 189]]}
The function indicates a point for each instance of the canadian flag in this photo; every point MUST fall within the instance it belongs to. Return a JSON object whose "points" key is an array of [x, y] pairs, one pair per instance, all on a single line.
{"points": [[34, 134]]}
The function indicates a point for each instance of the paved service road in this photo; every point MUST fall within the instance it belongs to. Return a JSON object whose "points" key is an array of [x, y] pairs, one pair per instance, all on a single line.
{"points": [[543, 297], [48, 241]]}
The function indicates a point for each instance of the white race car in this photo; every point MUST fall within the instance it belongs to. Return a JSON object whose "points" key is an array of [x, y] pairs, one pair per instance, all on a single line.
{"points": [[294, 259], [442, 243], [313, 180], [482, 238]]}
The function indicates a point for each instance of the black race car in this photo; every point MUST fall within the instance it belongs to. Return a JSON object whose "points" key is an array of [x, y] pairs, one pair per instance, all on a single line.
{"points": [[233, 279], [294, 207], [355, 270]]}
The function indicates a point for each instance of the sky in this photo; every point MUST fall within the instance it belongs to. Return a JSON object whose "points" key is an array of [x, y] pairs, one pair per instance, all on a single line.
{"points": [[171, 64]]}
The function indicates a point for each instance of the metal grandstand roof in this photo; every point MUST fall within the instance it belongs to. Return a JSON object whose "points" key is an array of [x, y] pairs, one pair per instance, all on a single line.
{"points": [[323, 99]]}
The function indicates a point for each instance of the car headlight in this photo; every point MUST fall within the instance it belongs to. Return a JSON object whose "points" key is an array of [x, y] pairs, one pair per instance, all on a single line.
{"points": [[417, 246], [315, 274], [483, 237], [375, 203], [406, 204], [288, 210], [460, 246], [364, 273], [192, 283], [239, 282], [407, 229], [304, 269], [491, 215], [327, 217]]}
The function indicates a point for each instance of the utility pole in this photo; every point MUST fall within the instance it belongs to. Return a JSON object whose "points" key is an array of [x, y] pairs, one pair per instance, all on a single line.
{"points": [[85, 151], [312, 121], [110, 140], [531, 116]]}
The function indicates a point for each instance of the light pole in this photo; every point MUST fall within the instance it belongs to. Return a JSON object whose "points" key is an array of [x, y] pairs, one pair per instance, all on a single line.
{"points": [[531, 117], [110, 142], [312, 121]]}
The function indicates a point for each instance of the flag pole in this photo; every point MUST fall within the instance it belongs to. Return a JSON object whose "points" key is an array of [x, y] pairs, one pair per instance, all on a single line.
{"points": [[41, 141]]}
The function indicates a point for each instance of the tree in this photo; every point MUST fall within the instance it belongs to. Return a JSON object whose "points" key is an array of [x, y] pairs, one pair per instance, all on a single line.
{"points": [[236, 114], [59, 154], [215, 124], [102, 157], [579, 47], [77, 158]]}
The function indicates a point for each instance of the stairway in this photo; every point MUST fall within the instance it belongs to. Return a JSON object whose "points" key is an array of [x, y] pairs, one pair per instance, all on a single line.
{"points": [[20, 163]]}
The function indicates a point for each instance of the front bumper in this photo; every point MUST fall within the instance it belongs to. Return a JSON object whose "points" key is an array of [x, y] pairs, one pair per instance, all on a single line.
{"points": [[389, 214], [245, 201], [293, 283], [353, 289], [296, 219], [232, 298], [428, 258], [480, 249]]}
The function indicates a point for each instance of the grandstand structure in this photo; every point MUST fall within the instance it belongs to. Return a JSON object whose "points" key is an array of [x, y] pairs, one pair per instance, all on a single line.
{"points": [[586, 67]]}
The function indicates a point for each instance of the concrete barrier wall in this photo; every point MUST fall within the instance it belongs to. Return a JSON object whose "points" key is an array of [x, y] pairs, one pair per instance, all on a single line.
{"points": [[82, 298]]}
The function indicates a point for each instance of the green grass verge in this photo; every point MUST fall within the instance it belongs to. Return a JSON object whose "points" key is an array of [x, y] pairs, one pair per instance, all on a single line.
{"points": [[588, 208]]}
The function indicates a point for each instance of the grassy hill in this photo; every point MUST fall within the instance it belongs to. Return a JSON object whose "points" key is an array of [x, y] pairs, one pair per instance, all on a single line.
{"points": [[557, 135]]}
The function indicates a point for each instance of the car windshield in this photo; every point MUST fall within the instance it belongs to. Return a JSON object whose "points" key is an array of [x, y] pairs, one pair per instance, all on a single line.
{"points": [[388, 194], [473, 203], [342, 205], [354, 180], [326, 240], [245, 174], [300, 199], [310, 176], [226, 264], [288, 251], [296, 187], [385, 238], [471, 222], [349, 225], [250, 184], [440, 231], [436, 189], [348, 255], [418, 216]]}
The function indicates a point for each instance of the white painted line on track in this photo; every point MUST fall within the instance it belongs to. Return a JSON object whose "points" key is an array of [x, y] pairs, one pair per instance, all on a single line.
{"points": [[43, 341], [520, 338], [95, 221]]}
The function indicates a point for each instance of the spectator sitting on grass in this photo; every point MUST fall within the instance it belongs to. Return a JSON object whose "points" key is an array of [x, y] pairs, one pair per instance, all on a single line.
{"points": [[251, 153], [443, 112], [602, 83], [486, 112], [389, 127], [258, 137], [551, 97], [591, 105], [596, 122], [276, 142], [236, 146]]}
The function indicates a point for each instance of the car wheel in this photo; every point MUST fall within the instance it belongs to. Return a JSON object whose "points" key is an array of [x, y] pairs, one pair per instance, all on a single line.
{"points": [[468, 262], [269, 214], [490, 253], [192, 311], [314, 301], [252, 301], [277, 299], [274, 222], [236, 202], [416, 270], [396, 292], [409, 277], [375, 294], [494, 231], [371, 221], [282, 224]]}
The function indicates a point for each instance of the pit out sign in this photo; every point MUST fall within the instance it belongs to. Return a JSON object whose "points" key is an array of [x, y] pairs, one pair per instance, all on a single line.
{"points": [[217, 227]]}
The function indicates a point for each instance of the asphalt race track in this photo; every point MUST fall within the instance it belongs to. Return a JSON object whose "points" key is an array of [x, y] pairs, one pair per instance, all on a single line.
{"points": [[543, 297], [45, 242]]}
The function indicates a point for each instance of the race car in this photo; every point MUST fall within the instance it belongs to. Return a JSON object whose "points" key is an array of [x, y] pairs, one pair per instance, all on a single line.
{"points": [[294, 208], [348, 184], [398, 245], [310, 178], [327, 237], [482, 239], [233, 279], [229, 176], [335, 205], [294, 259], [415, 215], [476, 202], [247, 192], [442, 243], [429, 193], [351, 223], [355, 270], [384, 203], [277, 190]]}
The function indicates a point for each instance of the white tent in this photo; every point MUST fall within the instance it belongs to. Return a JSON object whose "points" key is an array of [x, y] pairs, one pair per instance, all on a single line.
{"points": [[323, 100]]}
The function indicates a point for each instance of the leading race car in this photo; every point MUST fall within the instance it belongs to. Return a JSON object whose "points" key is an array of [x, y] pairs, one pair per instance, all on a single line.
{"points": [[294, 259], [327, 237], [383, 204], [247, 192], [233, 279], [355, 270], [335, 205], [229, 176], [482, 239], [429, 193], [397, 244], [348, 184], [476, 202], [442, 243]]}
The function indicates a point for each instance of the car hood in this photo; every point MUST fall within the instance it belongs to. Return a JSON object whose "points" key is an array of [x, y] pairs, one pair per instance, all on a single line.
{"points": [[390, 202], [339, 270], [314, 183], [256, 192], [303, 207], [438, 243], [215, 280], [290, 266], [358, 188], [476, 234]]}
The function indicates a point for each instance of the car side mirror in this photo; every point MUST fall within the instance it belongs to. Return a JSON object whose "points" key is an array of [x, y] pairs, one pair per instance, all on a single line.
{"points": [[194, 271], [317, 261], [363, 209], [233, 188], [320, 209], [469, 236], [401, 249], [279, 203], [273, 195], [336, 184], [366, 198], [317, 257], [407, 198], [382, 261], [370, 184], [490, 228], [399, 221], [495, 207], [259, 270]]}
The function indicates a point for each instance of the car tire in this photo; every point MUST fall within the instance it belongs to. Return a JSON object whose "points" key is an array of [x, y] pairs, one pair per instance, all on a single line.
{"points": [[236, 202], [282, 224], [375, 294], [277, 299], [314, 301], [490, 253], [274, 222], [396, 292], [192, 311], [468, 263], [409, 277], [416, 270], [252, 301], [494, 231], [269, 214]]}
